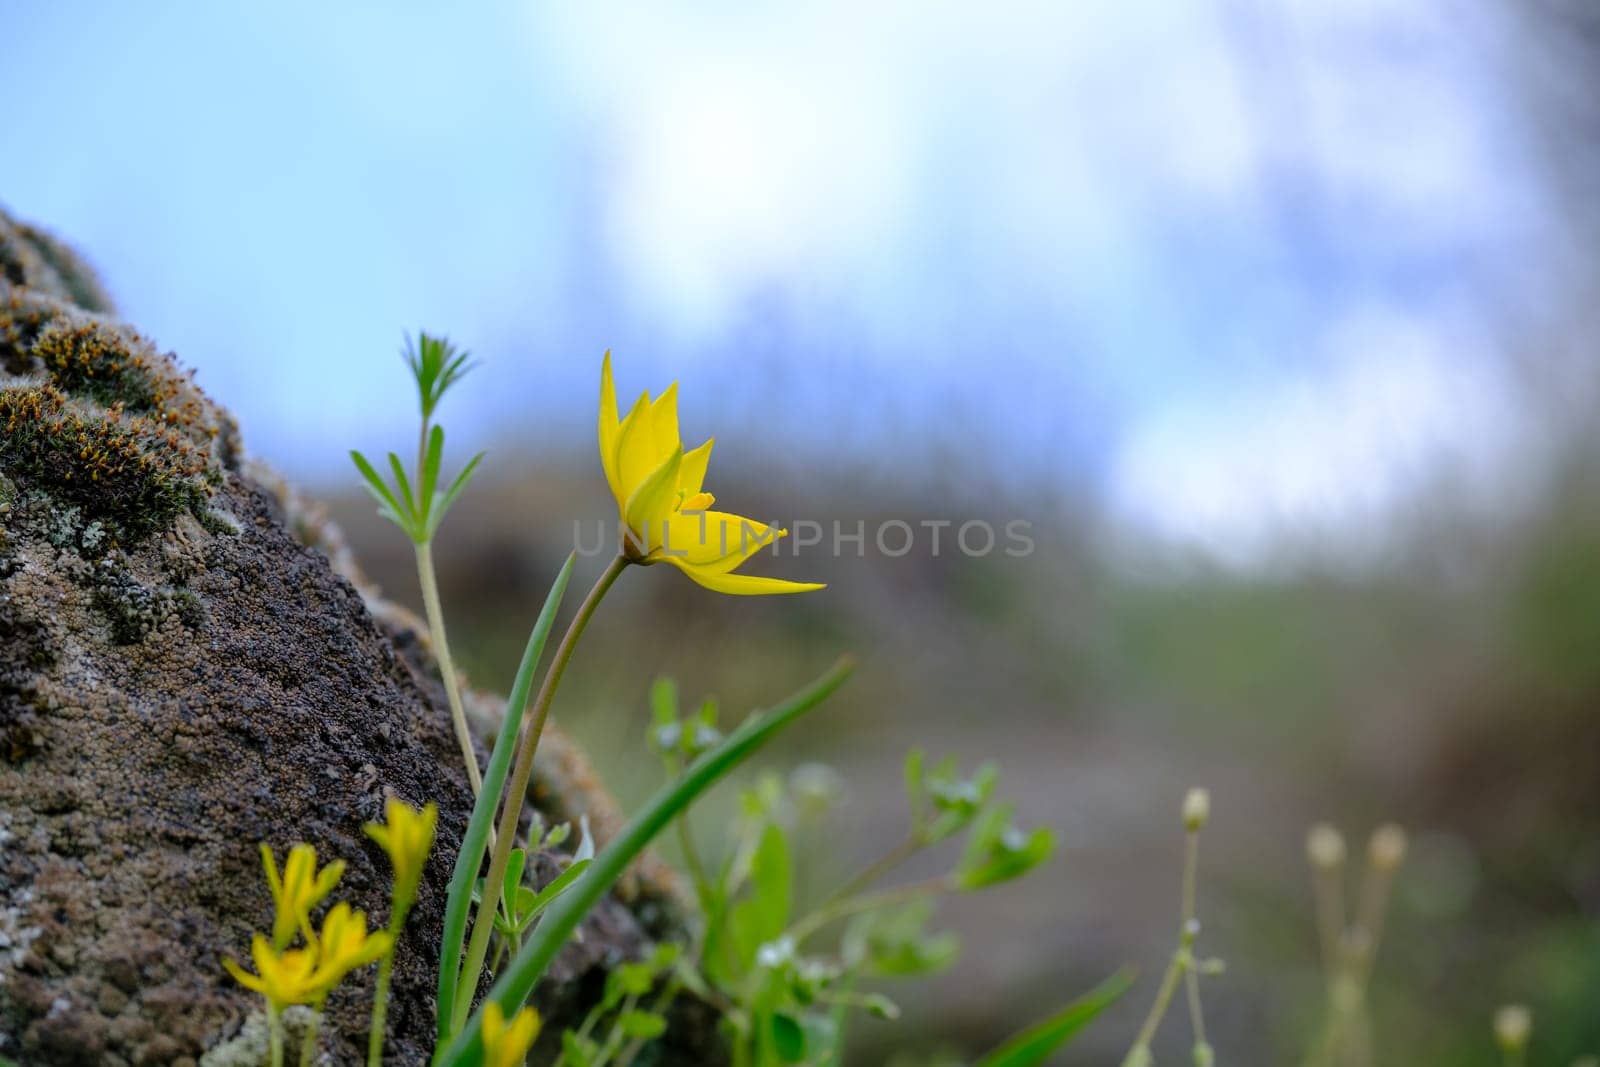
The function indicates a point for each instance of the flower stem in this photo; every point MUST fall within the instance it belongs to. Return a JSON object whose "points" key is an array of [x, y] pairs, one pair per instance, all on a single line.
{"points": [[447, 668], [517, 791], [380, 994], [866, 902], [1182, 963], [274, 1037], [308, 1043], [867, 878]]}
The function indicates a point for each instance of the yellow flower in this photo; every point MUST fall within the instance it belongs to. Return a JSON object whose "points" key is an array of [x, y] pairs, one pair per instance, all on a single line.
{"points": [[283, 978], [300, 889], [308, 975], [406, 835], [507, 1046], [344, 945], [660, 497]]}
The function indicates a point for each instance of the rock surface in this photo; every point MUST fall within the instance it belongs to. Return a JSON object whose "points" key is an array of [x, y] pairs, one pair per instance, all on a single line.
{"points": [[189, 666]]}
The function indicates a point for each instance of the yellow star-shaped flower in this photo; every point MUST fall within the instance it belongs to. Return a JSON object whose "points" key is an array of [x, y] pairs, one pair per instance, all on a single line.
{"points": [[406, 834], [660, 496], [507, 1045], [299, 889]]}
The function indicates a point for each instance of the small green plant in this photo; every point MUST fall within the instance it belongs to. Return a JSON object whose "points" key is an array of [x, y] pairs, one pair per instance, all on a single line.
{"points": [[435, 367], [1349, 949], [1185, 967], [786, 994]]}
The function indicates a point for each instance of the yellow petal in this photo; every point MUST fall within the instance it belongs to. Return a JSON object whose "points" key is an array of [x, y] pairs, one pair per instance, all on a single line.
{"points": [[742, 584], [692, 476], [244, 977], [636, 450], [664, 421], [654, 499], [610, 426], [714, 540]]}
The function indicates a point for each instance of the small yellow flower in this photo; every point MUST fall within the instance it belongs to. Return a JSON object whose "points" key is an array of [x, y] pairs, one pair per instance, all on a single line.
{"points": [[344, 945], [284, 978], [507, 1046], [308, 975], [407, 836], [660, 497], [298, 890]]}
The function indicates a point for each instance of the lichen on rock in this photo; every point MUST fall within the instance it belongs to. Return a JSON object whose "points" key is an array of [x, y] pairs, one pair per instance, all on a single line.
{"points": [[188, 666]]}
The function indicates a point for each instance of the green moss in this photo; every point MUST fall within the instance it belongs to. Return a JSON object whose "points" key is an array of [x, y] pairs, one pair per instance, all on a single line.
{"points": [[93, 361], [135, 475]]}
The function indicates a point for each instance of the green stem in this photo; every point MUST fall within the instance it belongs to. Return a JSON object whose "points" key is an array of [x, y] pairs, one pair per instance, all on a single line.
{"points": [[691, 860], [516, 793], [308, 1043], [887, 863], [1182, 960], [380, 1008], [274, 1036], [447, 668], [867, 902], [380, 995]]}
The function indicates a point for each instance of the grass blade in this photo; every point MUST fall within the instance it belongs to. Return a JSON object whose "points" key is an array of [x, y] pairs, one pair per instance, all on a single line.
{"points": [[476, 841], [1033, 1045], [511, 991]]}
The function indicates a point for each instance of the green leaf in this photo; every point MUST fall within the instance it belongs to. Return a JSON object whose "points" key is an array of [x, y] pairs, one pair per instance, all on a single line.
{"points": [[375, 486], [547, 896], [998, 851], [451, 493], [578, 1051], [1033, 1045], [893, 943], [404, 485], [514, 865], [764, 914], [432, 457], [523, 973], [788, 1038], [642, 1025], [664, 701], [470, 857], [916, 787]]}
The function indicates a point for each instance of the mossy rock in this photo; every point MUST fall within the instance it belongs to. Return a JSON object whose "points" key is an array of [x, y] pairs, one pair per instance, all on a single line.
{"points": [[190, 664]]}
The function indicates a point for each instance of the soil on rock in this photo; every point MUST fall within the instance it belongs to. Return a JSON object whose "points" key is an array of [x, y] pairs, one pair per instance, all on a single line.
{"points": [[182, 677]]}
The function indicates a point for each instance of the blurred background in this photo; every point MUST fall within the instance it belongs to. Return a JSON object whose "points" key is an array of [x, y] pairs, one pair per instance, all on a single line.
{"points": [[1273, 320]]}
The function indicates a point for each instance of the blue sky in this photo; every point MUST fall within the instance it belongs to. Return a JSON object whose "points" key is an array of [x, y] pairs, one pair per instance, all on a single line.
{"points": [[1223, 262]]}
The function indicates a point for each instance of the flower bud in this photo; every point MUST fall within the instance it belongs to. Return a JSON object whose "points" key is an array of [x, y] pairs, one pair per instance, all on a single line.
{"points": [[1325, 847], [1387, 848], [1196, 809], [1512, 1025]]}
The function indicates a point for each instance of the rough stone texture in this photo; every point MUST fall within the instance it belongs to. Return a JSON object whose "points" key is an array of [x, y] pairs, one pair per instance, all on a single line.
{"points": [[188, 665]]}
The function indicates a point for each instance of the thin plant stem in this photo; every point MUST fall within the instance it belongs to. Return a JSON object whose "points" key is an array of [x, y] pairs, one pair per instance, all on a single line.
{"points": [[1328, 889], [885, 864], [447, 668], [380, 1009], [1369, 920], [1182, 962], [517, 790], [867, 902], [308, 1043], [380, 994], [691, 859], [274, 1036]]}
